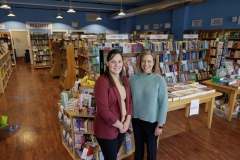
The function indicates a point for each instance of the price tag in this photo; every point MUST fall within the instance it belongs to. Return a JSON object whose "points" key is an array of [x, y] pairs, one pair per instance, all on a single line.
{"points": [[175, 73], [184, 51], [161, 64], [169, 74], [84, 153], [168, 52], [177, 51], [184, 62], [196, 71], [191, 71]]}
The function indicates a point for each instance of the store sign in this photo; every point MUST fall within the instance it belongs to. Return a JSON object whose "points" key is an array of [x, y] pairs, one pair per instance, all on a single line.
{"points": [[2, 26], [216, 21], [117, 36], [185, 36], [38, 25], [196, 23], [158, 36]]}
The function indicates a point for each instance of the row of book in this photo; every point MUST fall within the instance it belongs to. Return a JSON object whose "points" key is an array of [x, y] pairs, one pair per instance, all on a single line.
{"points": [[3, 50], [190, 66], [40, 47], [39, 42], [169, 57], [41, 52], [39, 36], [43, 63], [83, 124], [161, 46], [165, 68], [195, 44], [40, 58], [4, 35], [211, 34], [194, 55], [193, 76]]}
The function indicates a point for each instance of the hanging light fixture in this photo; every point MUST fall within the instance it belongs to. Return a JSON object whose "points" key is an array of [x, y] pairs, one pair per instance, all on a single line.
{"points": [[5, 5], [98, 18], [70, 10], [59, 14], [121, 13], [11, 14]]}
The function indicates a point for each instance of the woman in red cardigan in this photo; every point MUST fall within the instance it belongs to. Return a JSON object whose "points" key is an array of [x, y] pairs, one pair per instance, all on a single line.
{"points": [[114, 106]]}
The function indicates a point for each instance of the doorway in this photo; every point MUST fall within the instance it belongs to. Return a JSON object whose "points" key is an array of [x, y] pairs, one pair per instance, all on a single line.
{"points": [[21, 43]]}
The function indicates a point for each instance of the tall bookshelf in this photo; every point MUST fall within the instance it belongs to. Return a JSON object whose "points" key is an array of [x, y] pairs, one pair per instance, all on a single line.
{"points": [[6, 38], [68, 72], [40, 50], [5, 69], [56, 59]]}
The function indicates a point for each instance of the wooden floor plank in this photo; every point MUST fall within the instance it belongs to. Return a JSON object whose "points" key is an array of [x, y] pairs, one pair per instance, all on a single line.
{"points": [[31, 98]]}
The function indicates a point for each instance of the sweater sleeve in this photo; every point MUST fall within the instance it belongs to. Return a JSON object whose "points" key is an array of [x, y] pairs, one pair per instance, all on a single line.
{"points": [[101, 97], [163, 101]]}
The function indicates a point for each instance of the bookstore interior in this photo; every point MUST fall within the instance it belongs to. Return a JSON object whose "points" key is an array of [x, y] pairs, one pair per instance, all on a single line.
{"points": [[204, 65]]}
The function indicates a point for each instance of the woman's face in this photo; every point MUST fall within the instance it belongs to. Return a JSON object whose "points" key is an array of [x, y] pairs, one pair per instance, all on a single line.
{"points": [[147, 63], [115, 64]]}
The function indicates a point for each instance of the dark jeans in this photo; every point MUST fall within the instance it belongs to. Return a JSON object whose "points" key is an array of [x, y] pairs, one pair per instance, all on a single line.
{"points": [[110, 147], [144, 133]]}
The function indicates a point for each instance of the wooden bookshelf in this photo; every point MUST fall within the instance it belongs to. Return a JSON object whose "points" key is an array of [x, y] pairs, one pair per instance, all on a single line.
{"points": [[40, 50], [5, 70], [68, 72], [56, 60]]}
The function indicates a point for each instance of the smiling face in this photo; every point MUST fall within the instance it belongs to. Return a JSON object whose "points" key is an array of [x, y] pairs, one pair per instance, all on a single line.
{"points": [[147, 63], [115, 64]]}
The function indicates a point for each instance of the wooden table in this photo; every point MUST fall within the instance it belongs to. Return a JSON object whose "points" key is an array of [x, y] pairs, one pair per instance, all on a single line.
{"points": [[226, 89], [208, 99]]}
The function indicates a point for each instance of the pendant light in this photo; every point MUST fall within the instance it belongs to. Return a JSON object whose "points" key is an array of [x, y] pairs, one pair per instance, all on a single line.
{"points": [[98, 18], [5, 5], [59, 14], [70, 10], [11, 14], [121, 13]]}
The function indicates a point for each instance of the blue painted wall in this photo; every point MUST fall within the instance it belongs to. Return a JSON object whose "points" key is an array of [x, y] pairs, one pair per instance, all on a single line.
{"points": [[33, 15], [181, 19], [225, 9]]}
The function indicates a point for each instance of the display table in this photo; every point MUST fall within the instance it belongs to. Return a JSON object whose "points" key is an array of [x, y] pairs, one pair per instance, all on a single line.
{"points": [[226, 89], [208, 99]]}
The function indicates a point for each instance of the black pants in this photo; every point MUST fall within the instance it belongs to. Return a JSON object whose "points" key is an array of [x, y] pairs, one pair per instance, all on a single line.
{"points": [[144, 133], [110, 148]]}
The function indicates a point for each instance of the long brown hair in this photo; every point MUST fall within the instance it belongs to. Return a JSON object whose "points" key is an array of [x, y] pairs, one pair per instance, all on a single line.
{"points": [[110, 55]]}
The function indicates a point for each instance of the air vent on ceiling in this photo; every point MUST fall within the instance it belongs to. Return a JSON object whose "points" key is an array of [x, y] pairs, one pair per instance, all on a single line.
{"points": [[91, 17]]}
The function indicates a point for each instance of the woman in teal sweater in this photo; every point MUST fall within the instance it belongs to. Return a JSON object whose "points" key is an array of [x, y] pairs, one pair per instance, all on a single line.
{"points": [[150, 104]]}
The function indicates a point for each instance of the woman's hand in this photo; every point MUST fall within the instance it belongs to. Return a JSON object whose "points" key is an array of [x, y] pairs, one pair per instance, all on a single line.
{"points": [[158, 131]]}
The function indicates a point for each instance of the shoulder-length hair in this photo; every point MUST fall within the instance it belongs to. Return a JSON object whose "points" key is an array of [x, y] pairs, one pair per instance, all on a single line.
{"points": [[155, 68], [110, 55]]}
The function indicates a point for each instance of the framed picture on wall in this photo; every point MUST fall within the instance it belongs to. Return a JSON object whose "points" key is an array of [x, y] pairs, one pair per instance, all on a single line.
{"points": [[146, 26], [138, 27], [167, 25], [155, 26]]}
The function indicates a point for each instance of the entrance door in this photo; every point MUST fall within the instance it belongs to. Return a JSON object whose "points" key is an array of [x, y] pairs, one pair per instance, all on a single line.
{"points": [[21, 42]]}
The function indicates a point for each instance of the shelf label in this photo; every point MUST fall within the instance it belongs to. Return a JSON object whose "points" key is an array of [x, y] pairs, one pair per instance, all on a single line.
{"points": [[177, 51], [169, 74], [117, 36], [191, 71], [159, 36], [168, 52], [196, 71], [184, 51], [184, 62], [189, 36], [161, 64], [175, 73]]}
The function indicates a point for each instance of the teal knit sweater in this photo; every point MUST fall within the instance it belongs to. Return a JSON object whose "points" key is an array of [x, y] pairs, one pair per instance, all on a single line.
{"points": [[150, 98]]}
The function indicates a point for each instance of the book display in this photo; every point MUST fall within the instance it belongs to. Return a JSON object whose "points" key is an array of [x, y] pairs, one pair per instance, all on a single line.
{"points": [[90, 57], [76, 116], [40, 50], [5, 68], [56, 59], [68, 71]]}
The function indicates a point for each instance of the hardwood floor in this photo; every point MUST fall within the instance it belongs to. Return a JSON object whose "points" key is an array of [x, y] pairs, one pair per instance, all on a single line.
{"points": [[31, 98]]}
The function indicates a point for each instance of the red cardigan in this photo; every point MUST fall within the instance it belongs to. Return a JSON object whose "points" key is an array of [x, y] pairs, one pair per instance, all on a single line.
{"points": [[109, 108]]}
